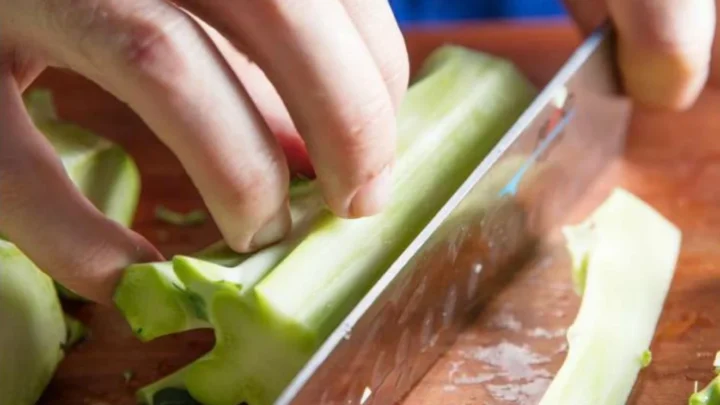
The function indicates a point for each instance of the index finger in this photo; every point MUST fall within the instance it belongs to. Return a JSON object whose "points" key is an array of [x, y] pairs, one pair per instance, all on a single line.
{"points": [[332, 87]]}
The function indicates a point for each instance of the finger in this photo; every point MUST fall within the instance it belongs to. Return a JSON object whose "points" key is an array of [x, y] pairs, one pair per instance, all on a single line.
{"points": [[715, 63], [47, 217], [587, 14], [157, 59], [22, 66], [333, 90], [664, 49], [375, 21], [267, 100]]}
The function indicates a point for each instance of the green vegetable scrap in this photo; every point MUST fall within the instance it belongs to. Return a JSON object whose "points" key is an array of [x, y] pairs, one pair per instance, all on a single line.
{"points": [[625, 254], [76, 331], [194, 217], [646, 358], [270, 310]]}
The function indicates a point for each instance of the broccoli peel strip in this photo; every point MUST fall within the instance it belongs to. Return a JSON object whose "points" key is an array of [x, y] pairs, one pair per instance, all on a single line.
{"points": [[270, 318], [629, 253]]}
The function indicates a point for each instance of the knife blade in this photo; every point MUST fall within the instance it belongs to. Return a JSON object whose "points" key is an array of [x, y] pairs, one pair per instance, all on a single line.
{"points": [[516, 197]]}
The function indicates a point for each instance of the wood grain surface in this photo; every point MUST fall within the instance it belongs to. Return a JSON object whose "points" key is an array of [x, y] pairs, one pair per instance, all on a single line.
{"points": [[511, 352]]}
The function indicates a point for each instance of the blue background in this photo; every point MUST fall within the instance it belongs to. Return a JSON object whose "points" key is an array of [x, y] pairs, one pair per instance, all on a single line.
{"points": [[454, 10]]}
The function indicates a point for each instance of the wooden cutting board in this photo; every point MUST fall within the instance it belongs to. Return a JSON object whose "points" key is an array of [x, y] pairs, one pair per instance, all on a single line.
{"points": [[511, 352]]}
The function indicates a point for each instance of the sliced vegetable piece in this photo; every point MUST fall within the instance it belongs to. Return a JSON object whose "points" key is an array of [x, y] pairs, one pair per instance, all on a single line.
{"points": [[33, 334], [710, 395], [267, 326], [629, 252], [170, 308]]}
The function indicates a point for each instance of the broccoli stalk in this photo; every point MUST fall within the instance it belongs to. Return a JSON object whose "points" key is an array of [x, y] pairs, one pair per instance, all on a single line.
{"points": [[271, 310], [624, 257]]}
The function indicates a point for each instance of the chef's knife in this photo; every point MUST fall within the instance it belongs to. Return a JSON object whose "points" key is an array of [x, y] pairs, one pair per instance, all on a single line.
{"points": [[517, 195]]}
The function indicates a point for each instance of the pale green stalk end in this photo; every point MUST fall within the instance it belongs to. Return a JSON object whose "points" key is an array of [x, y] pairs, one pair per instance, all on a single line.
{"points": [[156, 303], [629, 253]]}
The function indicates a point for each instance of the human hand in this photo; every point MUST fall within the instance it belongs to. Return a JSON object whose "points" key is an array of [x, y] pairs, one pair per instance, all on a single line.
{"points": [[338, 70], [665, 51]]}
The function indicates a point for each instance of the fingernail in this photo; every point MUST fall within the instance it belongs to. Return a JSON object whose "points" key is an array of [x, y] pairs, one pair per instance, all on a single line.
{"points": [[273, 230], [373, 196]]}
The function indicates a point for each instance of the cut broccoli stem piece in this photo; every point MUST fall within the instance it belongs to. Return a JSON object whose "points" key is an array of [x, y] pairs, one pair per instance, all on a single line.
{"points": [[631, 252], [710, 395], [168, 309], [33, 334]]}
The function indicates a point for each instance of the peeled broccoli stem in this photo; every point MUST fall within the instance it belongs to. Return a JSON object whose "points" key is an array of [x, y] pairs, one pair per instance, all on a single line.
{"points": [[624, 258], [266, 328]]}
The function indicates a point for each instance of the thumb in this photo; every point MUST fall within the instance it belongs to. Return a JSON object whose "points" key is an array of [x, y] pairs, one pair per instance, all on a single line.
{"points": [[664, 46]]}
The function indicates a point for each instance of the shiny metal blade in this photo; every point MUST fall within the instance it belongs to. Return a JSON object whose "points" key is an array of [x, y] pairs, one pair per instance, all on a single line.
{"points": [[480, 238]]}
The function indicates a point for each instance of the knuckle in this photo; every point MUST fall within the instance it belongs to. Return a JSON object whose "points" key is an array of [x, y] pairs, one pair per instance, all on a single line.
{"points": [[369, 131], [396, 72], [150, 46], [255, 195], [108, 34]]}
